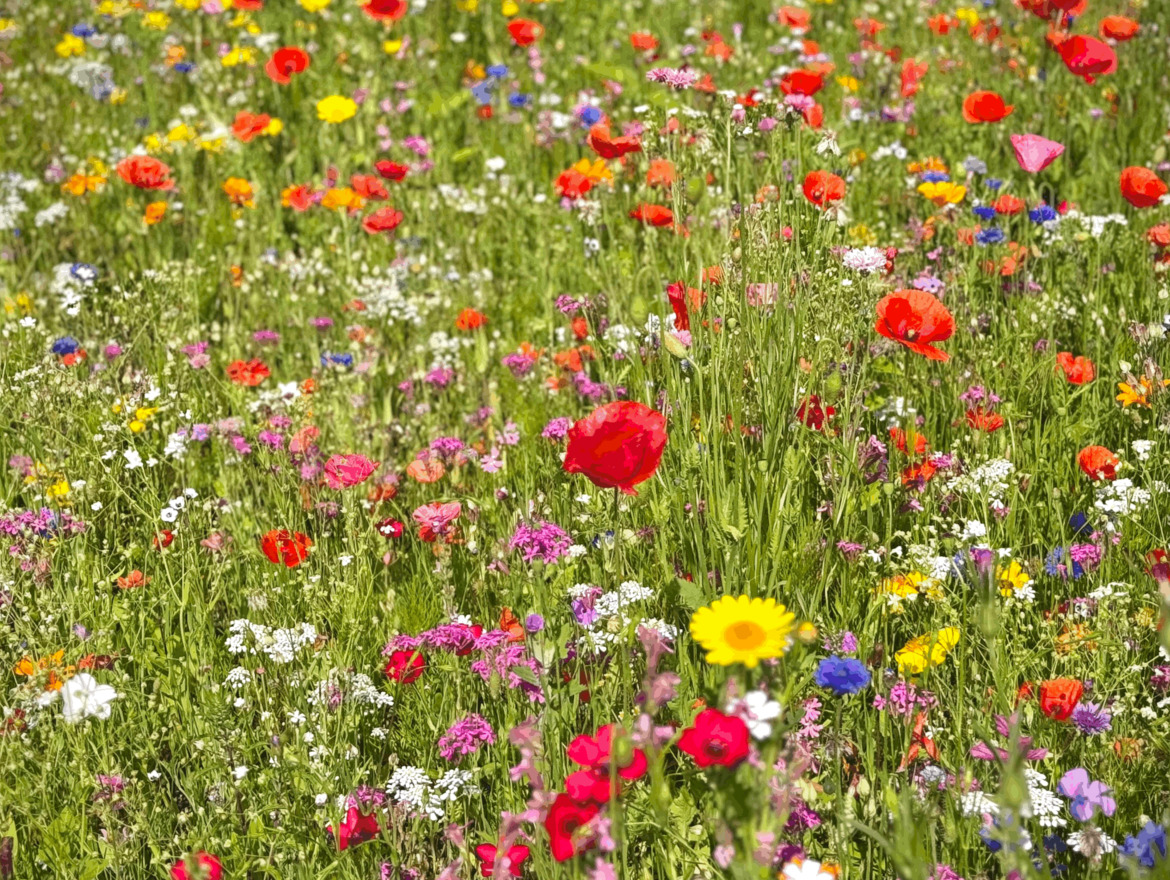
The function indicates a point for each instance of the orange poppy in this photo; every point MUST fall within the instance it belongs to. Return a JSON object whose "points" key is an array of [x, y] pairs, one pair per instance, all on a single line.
{"points": [[654, 215], [525, 32], [985, 107], [248, 373], [823, 187], [1098, 463], [1059, 697], [611, 147], [1141, 187], [643, 42], [1077, 370], [470, 319], [1119, 28]]}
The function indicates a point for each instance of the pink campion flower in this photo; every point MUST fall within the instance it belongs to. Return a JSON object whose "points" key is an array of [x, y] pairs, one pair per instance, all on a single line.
{"points": [[676, 79], [1035, 153], [208, 866], [343, 471], [435, 519]]}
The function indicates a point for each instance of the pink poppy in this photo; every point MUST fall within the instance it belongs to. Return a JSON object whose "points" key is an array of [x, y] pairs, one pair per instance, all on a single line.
{"points": [[343, 471], [1035, 153]]}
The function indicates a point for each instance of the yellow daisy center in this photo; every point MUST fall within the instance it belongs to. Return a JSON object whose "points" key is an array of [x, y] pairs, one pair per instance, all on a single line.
{"points": [[744, 635]]}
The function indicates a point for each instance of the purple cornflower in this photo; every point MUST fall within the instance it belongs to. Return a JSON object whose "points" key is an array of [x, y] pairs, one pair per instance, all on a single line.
{"points": [[465, 737], [1005, 726], [1091, 718], [540, 539]]}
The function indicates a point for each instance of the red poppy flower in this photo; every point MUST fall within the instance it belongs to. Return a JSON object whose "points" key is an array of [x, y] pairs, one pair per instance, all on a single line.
{"points": [[385, 10], [368, 187], [918, 475], [572, 184], [1059, 697], [813, 414], [1141, 187], [405, 666], [682, 299], [901, 441], [248, 373], [654, 215], [283, 546], [822, 187], [470, 319], [163, 539], [285, 63], [801, 82], [618, 445], [1087, 57], [486, 853], [715, 738], [912, 74], [357, 827], [1008, 204], [1098, 463], [394, 171], [249, 5], [1077, 370], [608, 147], [985, 107], [597, 755], [145, 172], [247, 125], [982, 420], [524, 31], [794, 17], [915, 319], [209, 868], [564, 823], [383, 220], [1119, 28], [643, 42]]}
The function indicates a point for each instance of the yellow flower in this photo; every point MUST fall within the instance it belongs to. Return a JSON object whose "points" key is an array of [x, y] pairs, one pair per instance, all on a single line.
{"points": [[926, 651], [59, 489], [1129, 395], [738, 629], [467, 5], [274, 127], [509, 8], [80, 184], [20, 303], [967, 15], [189, 5], [239, 191], [156, 21], [943, 192], [862, 235], [335, 109], [391, 47], [910, 586], [1012, 579], [341, 197], [848, 83], [314, 5], [155, 211], [597, 170], [239, 55], [69, 46], [181, 133]]}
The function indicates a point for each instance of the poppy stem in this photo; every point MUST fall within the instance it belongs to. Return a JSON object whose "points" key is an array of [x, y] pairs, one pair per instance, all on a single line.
{"points": [[617, 532]]}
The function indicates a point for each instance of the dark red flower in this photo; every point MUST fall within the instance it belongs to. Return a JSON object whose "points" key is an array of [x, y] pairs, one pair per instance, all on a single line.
{"points": [[391, 528], [654, 215], [208, 867], [357, 827], [394, 171], [1087, 57], [564, 824], [285, 63], [715, 738], [405, 666], [801, 82], [385, 10], [682, 299], [486, 853], [1059, 697], [813, 414], [617, 445], [383, 220]]}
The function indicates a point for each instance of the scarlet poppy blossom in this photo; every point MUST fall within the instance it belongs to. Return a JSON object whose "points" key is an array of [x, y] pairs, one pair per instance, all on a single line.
{"points": [[405, 667], [385, 10], [660, 173], [470, 319], [801, 82], [915, 319], [794, 17], [608, 147], [1087, 57], [248, 373], [565, 823], [618, 445], [368, 187], [1059, 697], [1159, 236], [985, 107], [1008, 204], [572, 184], [901, 441], [145, 172], [285, 63], [516, 855], [597, 756], [812, 413], [715, 738], [823, 188], [1098, 463], [247, 125], [1077, 370], [524, 31], [653, 215], [394, 171], [1141, 187], [383, 220], [208, 866], [249, 5], [912, 74], [682, 299], [983, 420], [643, 42], [357, 827], [284, 547], [1119, 28]]}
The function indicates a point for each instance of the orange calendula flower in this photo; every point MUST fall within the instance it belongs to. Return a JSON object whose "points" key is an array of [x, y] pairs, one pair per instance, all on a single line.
{"points": [[155, 211], [80, 184], [239, 191]]}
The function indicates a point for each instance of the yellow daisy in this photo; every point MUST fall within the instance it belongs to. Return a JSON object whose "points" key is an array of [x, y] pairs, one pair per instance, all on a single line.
{"points": [[926, 651], [739, 629]]}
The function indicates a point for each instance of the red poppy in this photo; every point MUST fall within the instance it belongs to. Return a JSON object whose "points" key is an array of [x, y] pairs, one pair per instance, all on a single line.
{"points": [[912, 74], [1008, 204], [654, 215], [611, 147], [915, 319], [823, 187], [715, 738], [524, 31], [794, 17], [682, 299], [385, 10], [383, 220], [1087, 57], [982, 420], [394, 171], [597, 755], [248, 373], [1098, 463], [486, 853], [405, 667], [1077, 370], [564, 823], [283, 546], [208, 867], [163, 539], [1059, 697], [145, 172], [247, 125], [643, 42], [249, 5], [901, 441], [618, 445], [918, 475], [391, 528], [1119, 28], [801, 82], [368, 187], [572, 184], [357, 827], [813, 414], [985, 107], [285, 63], [1141, 187], [470, 319]]}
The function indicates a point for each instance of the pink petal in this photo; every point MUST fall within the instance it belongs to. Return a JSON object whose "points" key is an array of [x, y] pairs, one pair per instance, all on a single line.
{"points": [[1035, 153]]}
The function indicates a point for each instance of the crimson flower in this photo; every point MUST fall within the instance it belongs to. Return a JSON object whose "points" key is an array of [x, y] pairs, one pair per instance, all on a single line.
{"points": [[915, 319], [283, 546], [285, 63], [618, 445], [596, 755], [715, 738], [566, 823], [486, 853], [405, 667]]}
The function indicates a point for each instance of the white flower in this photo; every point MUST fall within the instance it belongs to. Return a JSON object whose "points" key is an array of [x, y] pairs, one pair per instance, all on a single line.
{"points": [[757, 710], [805, 869], [82, 697], [239, 772]]}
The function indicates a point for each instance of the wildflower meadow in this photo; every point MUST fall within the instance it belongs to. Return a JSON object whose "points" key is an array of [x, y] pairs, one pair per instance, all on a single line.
{"points": [[542, 439]]}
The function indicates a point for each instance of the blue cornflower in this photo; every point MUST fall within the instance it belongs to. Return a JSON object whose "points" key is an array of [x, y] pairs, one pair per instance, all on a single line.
{"points": [[1079, 523], [590, 115], [482, 91], [992, 235], [984, 212], [498, 70], [517, 100], [936, 176], [1042, 214], [842, 675], [183, 67], [1148, 847], [338, 359], [65, 345], [83, 30], [993, 182]]}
